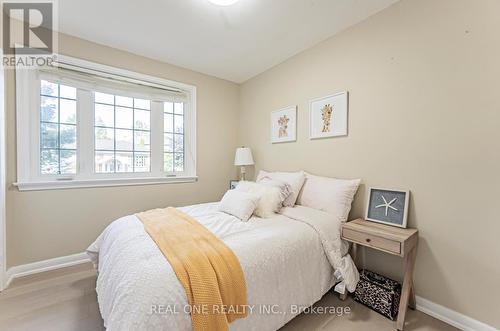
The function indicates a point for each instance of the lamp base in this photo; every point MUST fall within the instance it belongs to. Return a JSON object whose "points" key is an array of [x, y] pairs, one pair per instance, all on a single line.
{"points": [[242, 173]]}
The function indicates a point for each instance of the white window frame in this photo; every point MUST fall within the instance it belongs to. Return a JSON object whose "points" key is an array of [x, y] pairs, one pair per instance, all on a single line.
{"points": [[3, 186], [28, 113]]}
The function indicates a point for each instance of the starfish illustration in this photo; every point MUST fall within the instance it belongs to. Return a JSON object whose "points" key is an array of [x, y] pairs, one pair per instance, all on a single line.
{"points": [[387, 205]]}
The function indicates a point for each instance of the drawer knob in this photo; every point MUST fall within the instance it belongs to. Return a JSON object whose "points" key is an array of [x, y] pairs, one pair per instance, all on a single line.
{"points": [[368, 240]]}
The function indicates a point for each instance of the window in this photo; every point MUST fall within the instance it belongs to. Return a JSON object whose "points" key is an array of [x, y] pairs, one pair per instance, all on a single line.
{"points": [[83, 124], [122, 134], [173, 126], [57, 129]]}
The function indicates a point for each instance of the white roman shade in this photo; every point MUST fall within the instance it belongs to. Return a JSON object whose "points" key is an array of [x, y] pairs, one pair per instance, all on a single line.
{"points": [[95, 80]]}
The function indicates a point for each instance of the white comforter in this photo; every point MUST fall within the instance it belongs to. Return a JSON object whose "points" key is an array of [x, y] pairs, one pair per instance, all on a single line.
{"points": [[287, 262]]}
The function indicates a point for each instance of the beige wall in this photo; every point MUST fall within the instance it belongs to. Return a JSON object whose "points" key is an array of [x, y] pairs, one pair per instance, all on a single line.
{"points": [[48, 224], [424, 82]]}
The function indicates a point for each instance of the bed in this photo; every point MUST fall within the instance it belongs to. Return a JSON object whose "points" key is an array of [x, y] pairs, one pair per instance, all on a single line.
{"points": [[288, 262]]}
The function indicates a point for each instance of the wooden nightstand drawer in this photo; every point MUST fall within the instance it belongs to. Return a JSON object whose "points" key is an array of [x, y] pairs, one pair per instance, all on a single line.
{"points": [[372, 241]]}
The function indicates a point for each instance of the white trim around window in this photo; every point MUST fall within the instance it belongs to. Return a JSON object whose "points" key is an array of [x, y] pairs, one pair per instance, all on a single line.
{"points": [[3, 186], [89, 78]]}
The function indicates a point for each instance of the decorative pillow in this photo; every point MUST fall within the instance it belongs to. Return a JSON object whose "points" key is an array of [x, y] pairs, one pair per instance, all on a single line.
{"points": [[239, 204], [294, 179], [329, 194], [270, 197], [285, 188]]}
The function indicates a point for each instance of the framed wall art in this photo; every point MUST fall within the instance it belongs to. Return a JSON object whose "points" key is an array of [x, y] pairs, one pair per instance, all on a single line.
{"points": [[328, 116], [284, 125], [388, 206]]}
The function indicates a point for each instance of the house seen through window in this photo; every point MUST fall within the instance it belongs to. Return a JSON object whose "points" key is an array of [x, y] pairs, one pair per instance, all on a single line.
{"points": [[122, 134]]}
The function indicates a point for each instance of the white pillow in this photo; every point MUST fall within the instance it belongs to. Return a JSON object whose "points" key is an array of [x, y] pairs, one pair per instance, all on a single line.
{"points": [[239, 204], [329, 194], [294, 179], [270, 197]]}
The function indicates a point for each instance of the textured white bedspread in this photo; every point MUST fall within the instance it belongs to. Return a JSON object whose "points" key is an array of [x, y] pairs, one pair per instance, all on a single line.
{"points": [[283, 259]]}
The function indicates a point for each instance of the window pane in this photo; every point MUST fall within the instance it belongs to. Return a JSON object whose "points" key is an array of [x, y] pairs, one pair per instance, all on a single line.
{"points": [[168, 122], [179, 108], [124, 162], [142, 162], [141, 141], [49, 162], [48, 88], [48, 109], [104, 115], [124, 118], [104, 98], [68, 162], [168, 142], [173, 138], [178, 143], [168, 107], [124, 140], [58, 131], [67, 136], [67, 92], [141, 119], [68, 111], [104, 139], [142, 104], [179, 124], [168, 162], [178, 162], [124, 101], [104, 162], [48, 135], [126, 135]]}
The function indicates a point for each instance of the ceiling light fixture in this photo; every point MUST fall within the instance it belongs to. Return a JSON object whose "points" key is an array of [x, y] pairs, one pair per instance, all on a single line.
{"points": [[223, 2]]}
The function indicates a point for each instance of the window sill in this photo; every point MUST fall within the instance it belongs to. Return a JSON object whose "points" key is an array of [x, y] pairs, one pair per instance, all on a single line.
{"points": [[72, 184]]}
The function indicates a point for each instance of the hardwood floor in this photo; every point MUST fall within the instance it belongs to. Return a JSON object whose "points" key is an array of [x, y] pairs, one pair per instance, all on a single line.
{"points": [[58, 300], [66, 300]]}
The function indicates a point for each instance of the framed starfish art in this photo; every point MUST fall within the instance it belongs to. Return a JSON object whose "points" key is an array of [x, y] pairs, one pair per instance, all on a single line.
{"points": [[388, 206]]}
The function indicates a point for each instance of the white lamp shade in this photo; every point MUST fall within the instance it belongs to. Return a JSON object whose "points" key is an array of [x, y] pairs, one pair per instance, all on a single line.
{"points": [[243, 157]]}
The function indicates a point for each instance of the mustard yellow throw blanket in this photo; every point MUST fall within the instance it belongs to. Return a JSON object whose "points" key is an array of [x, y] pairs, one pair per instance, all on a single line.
{"points": [[208, 270]]}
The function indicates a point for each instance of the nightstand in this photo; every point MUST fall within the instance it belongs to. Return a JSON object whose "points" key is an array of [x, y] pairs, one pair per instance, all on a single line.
{"points": [[391, 240]]}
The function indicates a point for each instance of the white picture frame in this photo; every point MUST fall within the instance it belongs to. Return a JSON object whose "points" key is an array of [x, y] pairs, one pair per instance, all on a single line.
{"points": [[387, 205], [284, 125], [233, 183], [328, 116]]}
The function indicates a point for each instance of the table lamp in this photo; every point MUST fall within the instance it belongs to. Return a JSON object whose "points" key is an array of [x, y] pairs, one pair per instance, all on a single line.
{"points": [[243, 158]]}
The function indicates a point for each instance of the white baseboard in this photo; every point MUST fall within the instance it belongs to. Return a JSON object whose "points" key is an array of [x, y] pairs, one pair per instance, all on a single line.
{"points": [[451, 317], [45, 265]]}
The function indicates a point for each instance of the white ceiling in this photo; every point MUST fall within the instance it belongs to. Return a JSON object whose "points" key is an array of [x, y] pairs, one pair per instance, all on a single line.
{"points": [[235, 42]]}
